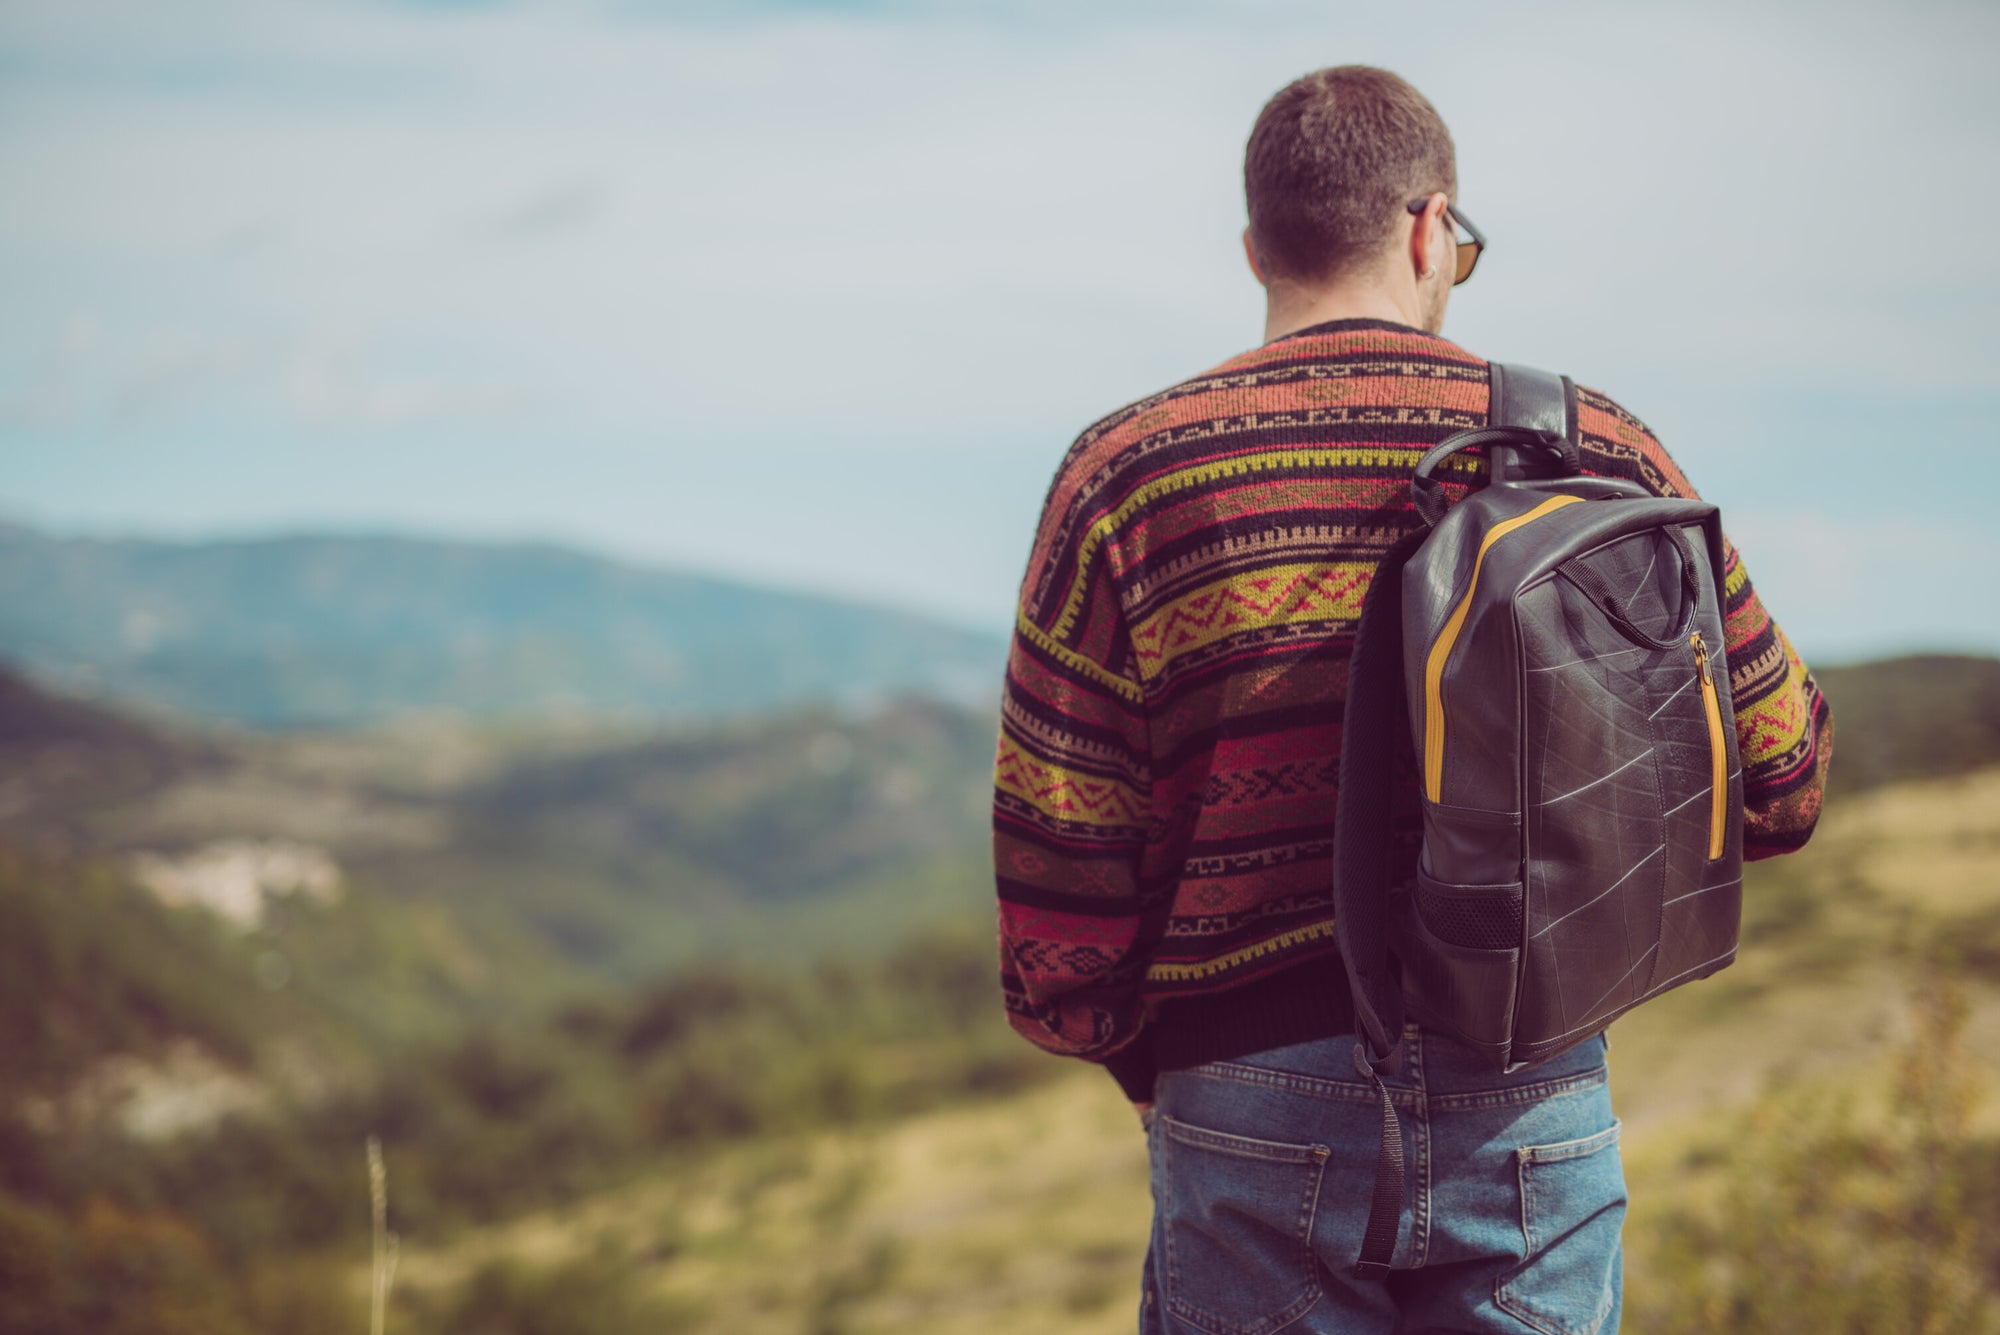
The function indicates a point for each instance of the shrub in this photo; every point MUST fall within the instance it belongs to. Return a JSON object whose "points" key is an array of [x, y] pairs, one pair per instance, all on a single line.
{"points": [[1831, 1220]]}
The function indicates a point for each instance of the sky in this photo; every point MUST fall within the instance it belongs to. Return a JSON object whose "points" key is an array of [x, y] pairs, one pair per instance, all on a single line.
{"points": [[818, 294]]}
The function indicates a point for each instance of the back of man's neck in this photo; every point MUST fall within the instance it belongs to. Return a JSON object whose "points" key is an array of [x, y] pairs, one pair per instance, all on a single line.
{"points": [[1290, 309]]}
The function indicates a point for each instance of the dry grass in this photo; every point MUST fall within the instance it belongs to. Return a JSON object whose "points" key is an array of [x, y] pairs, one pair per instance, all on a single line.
{"points": [[1890, 877], [1030, 1213], [1025, 1214]]}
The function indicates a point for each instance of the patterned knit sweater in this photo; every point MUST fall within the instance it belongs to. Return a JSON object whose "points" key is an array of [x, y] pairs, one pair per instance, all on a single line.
{"points": [[1170, 728]]}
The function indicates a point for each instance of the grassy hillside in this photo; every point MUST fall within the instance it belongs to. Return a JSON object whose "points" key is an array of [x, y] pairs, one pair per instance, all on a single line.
{"points": [[252, 1214], [1031, 1213], [1807, 1142], [696, 1030], [864, 1148]]}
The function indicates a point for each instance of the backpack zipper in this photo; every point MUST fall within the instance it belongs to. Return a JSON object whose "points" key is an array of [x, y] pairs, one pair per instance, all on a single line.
{"points": [[1717, 751], [1442, 646]]}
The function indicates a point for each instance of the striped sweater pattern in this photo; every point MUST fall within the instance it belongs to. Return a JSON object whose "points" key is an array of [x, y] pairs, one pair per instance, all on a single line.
{"points": [[1165, 774]]}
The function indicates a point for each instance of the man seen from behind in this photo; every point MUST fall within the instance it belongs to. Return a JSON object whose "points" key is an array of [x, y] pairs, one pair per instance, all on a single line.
{"points": [[1170, 743]]}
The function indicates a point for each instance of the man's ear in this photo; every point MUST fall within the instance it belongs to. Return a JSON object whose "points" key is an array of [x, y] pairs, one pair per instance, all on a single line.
{"points": [[1250, 254], [1420, 235]]}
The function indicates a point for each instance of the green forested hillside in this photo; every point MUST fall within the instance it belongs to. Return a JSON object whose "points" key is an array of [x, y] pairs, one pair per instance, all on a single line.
{"points": [[90, 966], [63, 761], [485, 874], [339, 629]]}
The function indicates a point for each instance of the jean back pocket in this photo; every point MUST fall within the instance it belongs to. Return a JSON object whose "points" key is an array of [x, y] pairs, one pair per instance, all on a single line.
{"points": [[1238, 1219], [1572, 1212]]}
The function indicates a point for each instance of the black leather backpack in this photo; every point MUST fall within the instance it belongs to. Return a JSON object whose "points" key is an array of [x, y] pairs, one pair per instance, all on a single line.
{"points": [[1554, 645]]}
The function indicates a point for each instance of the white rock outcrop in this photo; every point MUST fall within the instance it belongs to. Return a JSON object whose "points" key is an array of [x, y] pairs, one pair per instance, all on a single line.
{"points": [[236, 878]]}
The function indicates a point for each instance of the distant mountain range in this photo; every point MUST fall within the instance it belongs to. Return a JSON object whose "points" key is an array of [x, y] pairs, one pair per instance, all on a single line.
{"points": [[334, 630]]}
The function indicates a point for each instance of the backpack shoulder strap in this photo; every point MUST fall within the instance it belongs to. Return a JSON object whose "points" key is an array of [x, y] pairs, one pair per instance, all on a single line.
{"points": [[1375, 714], [1530, 399]]}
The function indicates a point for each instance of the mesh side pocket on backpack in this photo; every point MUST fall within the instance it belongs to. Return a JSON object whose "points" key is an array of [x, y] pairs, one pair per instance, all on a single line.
{"points": [[1481, 917], [1466, 981]]}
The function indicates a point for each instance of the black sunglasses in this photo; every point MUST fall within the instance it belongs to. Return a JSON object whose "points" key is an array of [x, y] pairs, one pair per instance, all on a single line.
{"points": [[1468, 251]]}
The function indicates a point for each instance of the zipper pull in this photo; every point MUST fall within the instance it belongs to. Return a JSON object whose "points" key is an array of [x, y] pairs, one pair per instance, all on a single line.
{"points": [[1701, 659]]}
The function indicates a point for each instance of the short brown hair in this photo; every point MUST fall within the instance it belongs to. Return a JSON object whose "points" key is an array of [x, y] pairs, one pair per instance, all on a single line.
{"points": [[1332, 161]]}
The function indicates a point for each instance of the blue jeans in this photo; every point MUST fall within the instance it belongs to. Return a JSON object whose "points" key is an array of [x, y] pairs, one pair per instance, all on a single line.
{"points": [[1262, 1169]]}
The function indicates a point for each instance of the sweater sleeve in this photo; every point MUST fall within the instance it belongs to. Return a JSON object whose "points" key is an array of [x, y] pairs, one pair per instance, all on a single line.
{"points": [[1071, 789], [1784, 727]]}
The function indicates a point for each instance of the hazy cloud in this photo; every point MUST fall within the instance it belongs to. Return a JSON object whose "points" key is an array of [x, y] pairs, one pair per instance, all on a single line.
{"points": [[48, 393], [565, 206]]}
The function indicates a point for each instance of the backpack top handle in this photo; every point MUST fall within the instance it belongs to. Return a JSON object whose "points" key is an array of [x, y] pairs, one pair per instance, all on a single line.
{"points": [[1619, 611]]}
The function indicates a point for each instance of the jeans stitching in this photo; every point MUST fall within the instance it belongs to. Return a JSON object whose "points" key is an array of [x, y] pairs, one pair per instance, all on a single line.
{"points": [[1308, 1215], [1582, 1147], [1242, 1147], [1535, 1093], [1420, 1213], [1299, 1084], [1414, 1096], [1166, 1230], [1501, 1298]]}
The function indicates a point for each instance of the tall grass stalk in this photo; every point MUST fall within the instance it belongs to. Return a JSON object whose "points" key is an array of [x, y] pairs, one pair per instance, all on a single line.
{"points": [[382, 1271]]}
